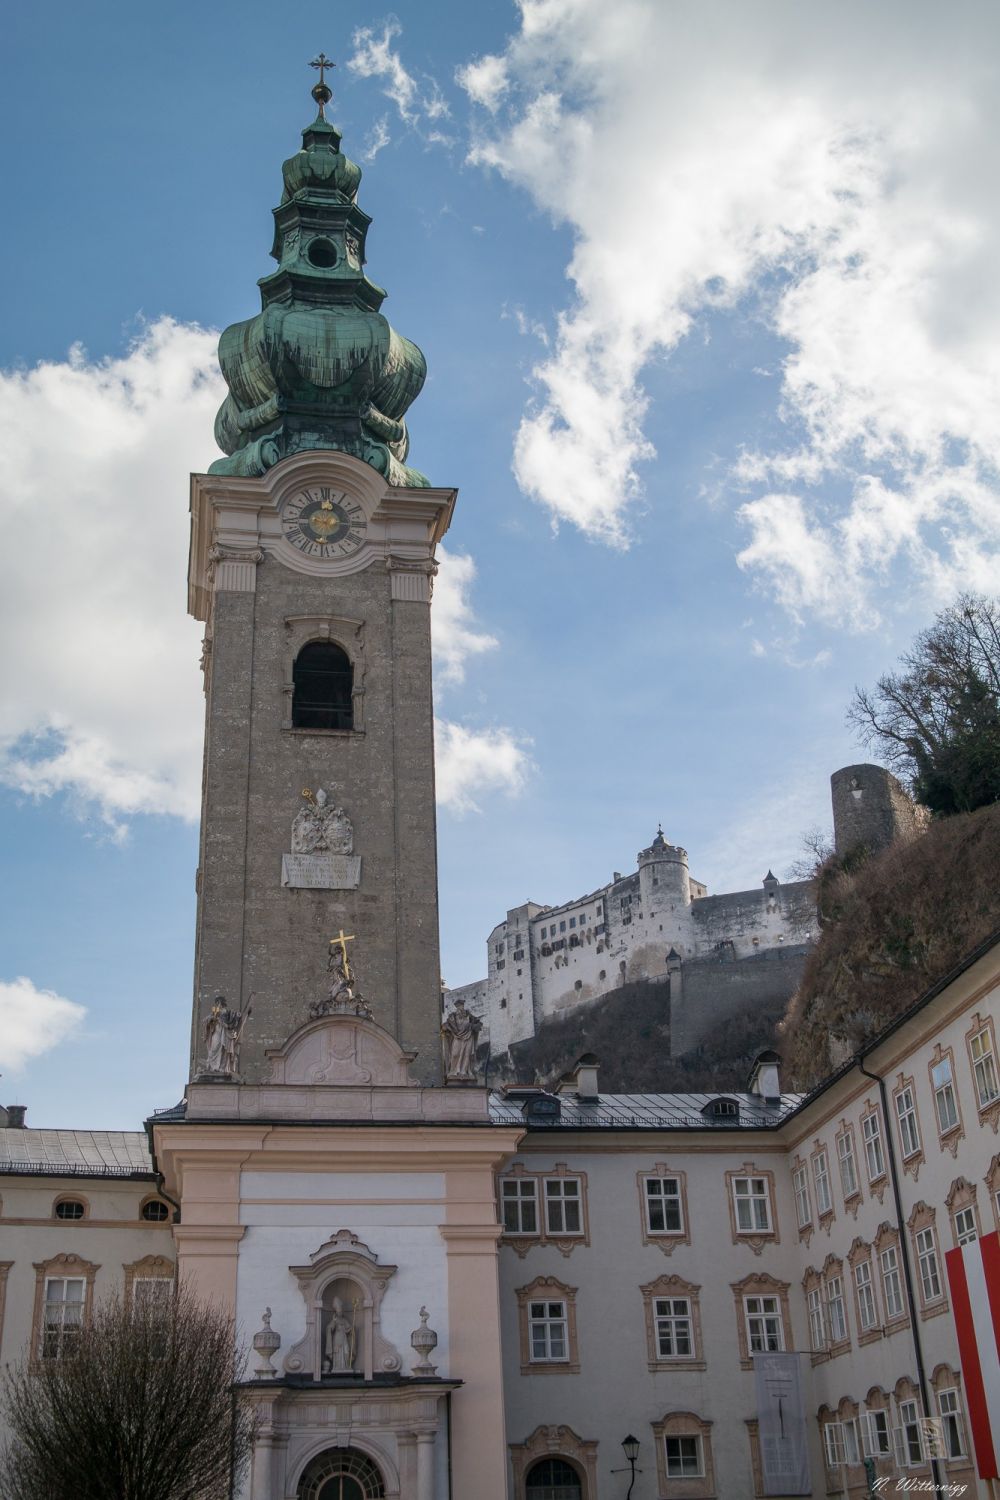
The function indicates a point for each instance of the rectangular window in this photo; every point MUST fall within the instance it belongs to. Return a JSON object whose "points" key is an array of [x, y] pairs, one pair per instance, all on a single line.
{"points": [[562, 1206], [878, 1442], [764, 1331], [152, 1293], [664, 1214], [836, 1309], [852, 1448], [572, 921], [543, 932], [803, 1210], [930, 1279], [63, 1315], [753, 1205], [910, 1419], [833, 1444], [874, 1158], [944, 1096], [952, 1426], [821, 1180], [684, 1459], [848, 1165], [673, 1327], [817, 1319], [965, 1226], [520, 1205], [562, 926], [906, 1115], [867, 1311], [892, 1287], [984, 1067], [548, 1338]]}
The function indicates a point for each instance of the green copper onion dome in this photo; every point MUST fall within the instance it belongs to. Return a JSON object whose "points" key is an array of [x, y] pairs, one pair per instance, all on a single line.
{"points": [[319, 366]]}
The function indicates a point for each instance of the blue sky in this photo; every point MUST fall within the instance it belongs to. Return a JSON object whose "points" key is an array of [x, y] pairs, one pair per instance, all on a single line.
{"points": [[710, 313]]}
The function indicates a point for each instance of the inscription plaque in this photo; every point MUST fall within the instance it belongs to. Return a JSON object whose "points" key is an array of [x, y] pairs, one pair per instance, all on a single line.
{"points": [[324, 872]]}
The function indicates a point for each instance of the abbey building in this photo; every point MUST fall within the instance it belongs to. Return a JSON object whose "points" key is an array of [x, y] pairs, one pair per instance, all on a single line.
{"points": [[453, 1293]]}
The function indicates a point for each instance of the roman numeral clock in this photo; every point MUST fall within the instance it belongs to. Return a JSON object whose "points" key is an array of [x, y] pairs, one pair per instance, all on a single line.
{"points": [[323, 522]]}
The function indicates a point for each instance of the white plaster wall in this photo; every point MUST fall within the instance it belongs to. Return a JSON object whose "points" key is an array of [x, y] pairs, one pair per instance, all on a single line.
{"points": [[289, 1215]]}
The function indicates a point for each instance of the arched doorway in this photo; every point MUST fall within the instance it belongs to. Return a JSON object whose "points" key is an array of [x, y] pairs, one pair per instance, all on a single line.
{"points": [[552, 1479], [341, 1474]]}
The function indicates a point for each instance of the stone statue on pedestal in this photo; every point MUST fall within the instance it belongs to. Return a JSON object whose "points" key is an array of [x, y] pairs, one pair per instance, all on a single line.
{"points": [[459, 1034], [339, 1344], [223, 1030], [341, 999]]}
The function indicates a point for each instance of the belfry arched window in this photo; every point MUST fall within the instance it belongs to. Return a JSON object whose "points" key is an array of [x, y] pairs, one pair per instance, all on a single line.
{"points": [[341, 1474], [323, 687], [552, 1479]]}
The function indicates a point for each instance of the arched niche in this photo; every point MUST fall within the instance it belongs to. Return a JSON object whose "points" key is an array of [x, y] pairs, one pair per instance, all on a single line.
{"points": [[347, 1272], [341, 1049]]}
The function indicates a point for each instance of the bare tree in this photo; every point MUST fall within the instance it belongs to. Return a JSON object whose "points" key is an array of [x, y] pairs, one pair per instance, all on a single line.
{"points": [[143, 1404], [937, 720]]}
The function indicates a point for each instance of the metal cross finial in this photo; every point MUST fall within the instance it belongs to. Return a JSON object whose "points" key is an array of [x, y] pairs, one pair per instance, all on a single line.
{"points": [[321, 91], [341, 941]]}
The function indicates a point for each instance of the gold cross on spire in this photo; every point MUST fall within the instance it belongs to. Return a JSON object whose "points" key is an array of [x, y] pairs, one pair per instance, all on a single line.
{"points": [[341, 941], [321, 91]]}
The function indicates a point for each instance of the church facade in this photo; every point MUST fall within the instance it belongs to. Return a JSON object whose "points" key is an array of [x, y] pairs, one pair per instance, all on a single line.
{"points": [[453, 1293]]}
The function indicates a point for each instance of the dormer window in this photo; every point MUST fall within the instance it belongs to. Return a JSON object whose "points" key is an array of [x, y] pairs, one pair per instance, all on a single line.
{"points": [[323, 684], [721, 1109]]}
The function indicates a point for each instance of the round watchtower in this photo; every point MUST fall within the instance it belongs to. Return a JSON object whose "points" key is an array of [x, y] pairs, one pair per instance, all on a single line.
{"points": [[664, 881]]}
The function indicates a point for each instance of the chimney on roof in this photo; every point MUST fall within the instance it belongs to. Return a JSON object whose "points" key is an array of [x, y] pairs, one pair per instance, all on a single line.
{"points": [[581, 1079], [15, 1116], [765, 1077]]}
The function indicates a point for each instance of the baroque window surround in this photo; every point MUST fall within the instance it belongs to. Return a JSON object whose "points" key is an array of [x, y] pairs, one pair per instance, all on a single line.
{"points": [[555, 1442], [58, 1266], [962, 1195], [684, 1424], [922, 1222], [760, 1284], [672, 1287], [348, 634], [945, 1379], [860, 1254], [853, 1199], [149, 1268], [802, 1198], [948, 1138], [876, 1184], [666, 1239], [833, 1268], [564, 1242], [877, 1400], [819, 1163], [887, 1238], [755, 1238], [914, 1161], [989, 1111], [992, 1181], [547, 1289], [812, 1290]]}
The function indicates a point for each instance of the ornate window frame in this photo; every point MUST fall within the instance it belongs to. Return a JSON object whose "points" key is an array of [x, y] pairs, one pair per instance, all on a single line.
{"points": [[852, 1201], [989, 1113], [673, 1286], [947, 1139], [339, 630], [555, 1442], [149, 1268], [820, 1150], [666, 1240], [155, 1198], [923, 1219], [71, 1197], [800, 1179], [962, 1194], [760, 1284], [945, 1378], [887, 1237], [564, 1242], [912, 1163], [877, 1399], [755, 1238], [547, 1289], [684, 1424], [63, 1266], [343, 1258], [813, 1292], [876, 1185], [833, 1268], [859, 1254], [992, 1181]]}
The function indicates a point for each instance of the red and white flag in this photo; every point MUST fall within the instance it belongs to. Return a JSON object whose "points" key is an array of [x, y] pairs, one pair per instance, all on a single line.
{"points": [[974, 1277]]}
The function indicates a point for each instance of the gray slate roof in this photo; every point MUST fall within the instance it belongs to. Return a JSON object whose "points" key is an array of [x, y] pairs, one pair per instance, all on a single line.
{"points": [[75, 1153], [648, 1111]]}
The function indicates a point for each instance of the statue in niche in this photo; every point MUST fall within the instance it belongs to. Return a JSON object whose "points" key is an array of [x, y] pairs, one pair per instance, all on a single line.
{"points": [[320, 827], [223, 1030], [340, 1342], [459, 1034]]}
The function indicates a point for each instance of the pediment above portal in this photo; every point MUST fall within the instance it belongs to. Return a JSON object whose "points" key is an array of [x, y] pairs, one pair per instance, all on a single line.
{"points": [[344, 1051]]}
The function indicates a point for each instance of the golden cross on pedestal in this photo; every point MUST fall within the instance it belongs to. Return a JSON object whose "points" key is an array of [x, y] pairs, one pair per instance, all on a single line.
{"points": [[341, 941]]}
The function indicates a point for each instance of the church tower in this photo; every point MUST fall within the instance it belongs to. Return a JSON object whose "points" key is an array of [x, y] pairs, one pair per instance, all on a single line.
{"points": [[312, 560]]}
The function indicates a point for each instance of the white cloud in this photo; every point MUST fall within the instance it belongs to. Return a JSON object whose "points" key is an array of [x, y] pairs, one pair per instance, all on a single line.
{"points": [[418, 103], [828, 169], [32, 1021], [377, 138], [470, 762], [100, 692]]}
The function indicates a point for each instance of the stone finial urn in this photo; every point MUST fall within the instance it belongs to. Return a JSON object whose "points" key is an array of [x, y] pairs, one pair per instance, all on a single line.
{"points": [[267, 1343], [423, 1340]]}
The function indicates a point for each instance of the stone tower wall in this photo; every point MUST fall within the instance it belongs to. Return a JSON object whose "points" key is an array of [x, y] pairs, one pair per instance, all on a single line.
{"points": [[871, 809]]}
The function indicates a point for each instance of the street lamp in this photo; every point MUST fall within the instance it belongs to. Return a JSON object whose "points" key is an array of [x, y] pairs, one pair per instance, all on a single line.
{"points": [[630, 1447]]}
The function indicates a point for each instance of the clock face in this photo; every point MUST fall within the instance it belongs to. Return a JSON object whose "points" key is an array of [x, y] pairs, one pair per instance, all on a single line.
{"points": [[322, 522]]}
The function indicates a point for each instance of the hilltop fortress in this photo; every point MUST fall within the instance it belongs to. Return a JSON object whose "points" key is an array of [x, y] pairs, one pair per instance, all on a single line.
{"points": [[714, 955]]}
